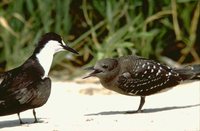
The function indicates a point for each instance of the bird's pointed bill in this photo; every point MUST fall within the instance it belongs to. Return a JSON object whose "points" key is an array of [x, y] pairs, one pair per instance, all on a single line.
{"points": [[93, 73], [68, 48]]}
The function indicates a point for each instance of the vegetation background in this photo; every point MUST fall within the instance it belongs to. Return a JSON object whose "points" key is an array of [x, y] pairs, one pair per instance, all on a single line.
{"points": [[167, 30]]}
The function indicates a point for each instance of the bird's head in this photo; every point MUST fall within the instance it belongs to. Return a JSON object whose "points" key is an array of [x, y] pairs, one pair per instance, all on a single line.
{"points": [[104, 68], [48, 45], [52, 43]]}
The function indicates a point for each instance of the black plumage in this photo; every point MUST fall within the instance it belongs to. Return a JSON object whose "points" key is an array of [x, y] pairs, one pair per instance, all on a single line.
{"points": [[27, 87], [137, 76]]}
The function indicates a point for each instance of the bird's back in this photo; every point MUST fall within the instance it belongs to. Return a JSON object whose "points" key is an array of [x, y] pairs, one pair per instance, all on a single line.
{"points": [[140, 76]]}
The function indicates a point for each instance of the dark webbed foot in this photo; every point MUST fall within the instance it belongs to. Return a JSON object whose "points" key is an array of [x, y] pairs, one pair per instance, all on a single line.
{"points": [[134, 112], [36, 121], [139, 110], [20, 120]]}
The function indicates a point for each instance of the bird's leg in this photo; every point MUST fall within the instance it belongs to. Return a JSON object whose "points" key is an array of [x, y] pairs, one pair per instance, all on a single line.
{"points": [[20, 120], [139, 110], [142, 101], [34, 114]]}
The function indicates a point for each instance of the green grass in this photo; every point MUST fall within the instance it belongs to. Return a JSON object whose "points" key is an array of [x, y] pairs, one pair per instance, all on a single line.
{"points": [[117, 28], [100, 29]]}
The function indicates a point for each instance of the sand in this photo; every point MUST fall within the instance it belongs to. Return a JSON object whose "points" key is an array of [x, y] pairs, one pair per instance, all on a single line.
{"points": [[80, 106]]}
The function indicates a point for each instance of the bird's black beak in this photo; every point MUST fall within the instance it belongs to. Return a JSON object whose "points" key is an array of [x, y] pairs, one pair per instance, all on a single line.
{"points": [[93, 73], [69, 48]]}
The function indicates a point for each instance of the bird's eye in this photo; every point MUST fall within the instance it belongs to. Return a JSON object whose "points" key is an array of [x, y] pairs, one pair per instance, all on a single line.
{"points": [[105, 66]]}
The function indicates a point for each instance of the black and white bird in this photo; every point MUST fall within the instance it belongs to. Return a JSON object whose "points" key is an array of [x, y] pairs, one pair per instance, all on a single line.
{"points": [[28, 86], [136, 76]]}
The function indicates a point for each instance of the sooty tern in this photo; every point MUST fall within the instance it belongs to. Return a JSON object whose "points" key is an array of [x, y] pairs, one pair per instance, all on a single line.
{"points": [[28, 86]]}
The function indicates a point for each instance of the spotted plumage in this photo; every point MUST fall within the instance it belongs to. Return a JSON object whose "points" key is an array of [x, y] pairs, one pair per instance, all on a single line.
{"points": [[149, 79], [136, 76]]}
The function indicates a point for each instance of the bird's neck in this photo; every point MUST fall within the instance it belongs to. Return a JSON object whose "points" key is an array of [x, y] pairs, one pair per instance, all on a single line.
{"points": [[109, 80], [45, 59], [108, 83]]}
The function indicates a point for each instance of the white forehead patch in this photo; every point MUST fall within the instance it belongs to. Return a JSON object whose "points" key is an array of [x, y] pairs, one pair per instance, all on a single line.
{"points": [[53, 46]]}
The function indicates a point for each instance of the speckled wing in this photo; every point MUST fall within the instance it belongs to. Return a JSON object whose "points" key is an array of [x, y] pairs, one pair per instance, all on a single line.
{"points": [[145, 77]]}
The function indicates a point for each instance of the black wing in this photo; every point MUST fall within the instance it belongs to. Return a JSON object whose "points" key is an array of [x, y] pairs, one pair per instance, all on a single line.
{"points": [[19, 87], [146, 77], [20, 78], [32, 96]]}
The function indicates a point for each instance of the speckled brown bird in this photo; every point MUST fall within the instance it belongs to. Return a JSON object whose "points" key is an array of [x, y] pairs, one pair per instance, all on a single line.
{"points": [[137, 76]]}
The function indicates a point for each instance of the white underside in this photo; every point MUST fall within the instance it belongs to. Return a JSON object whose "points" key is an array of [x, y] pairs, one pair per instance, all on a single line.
{"points": [[45, 62]]}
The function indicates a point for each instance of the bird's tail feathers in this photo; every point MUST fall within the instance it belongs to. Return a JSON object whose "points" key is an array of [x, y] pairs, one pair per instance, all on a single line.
{"points": [[196, 70], [191, 72]]}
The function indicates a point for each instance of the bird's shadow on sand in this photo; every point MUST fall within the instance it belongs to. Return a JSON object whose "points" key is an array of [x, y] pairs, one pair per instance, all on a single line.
{"points": [[15, 123], [150, 110]]}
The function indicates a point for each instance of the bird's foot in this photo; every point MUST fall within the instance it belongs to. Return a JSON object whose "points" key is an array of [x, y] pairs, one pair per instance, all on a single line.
{"points": [[134, 112], [21, 122], [36, 121], [34, 114]]}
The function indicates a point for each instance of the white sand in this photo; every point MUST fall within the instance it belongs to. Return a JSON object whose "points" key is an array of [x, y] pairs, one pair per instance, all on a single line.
{"points": [[71, 109]]}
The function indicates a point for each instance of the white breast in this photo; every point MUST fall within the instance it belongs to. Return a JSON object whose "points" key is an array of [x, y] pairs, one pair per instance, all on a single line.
{"points": [[45, 56]]}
